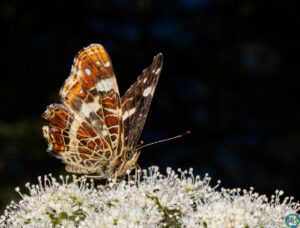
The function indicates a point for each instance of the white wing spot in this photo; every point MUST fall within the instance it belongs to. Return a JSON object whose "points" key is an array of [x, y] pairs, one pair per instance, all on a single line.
{"points": [[115, 111], [158, 71], [128, 113], [107, 64], [85, 110], [145, 80], [87, 71], [104, 133], [125, 115], [105, 85], [95, 106], [147, 91], [81, 91], [131, 111]]}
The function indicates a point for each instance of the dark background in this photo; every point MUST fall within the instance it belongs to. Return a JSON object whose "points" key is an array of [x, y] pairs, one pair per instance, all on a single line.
{"points": [[230, 76]]}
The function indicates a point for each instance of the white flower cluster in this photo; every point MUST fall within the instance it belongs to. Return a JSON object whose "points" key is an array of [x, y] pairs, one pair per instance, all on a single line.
{"points": [[175, 200]]}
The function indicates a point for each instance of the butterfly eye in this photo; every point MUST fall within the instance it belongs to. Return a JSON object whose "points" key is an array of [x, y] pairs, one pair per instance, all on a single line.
{"points": [[107, 154], [128, 155]]}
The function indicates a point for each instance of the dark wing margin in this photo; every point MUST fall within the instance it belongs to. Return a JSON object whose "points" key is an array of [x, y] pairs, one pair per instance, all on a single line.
{"points": [[136, 101]]}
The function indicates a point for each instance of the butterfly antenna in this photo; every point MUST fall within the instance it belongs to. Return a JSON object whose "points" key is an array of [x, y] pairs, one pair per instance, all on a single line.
{"points": [[164, 140]]}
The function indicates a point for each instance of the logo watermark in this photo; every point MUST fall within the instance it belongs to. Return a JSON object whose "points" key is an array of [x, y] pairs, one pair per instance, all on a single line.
{"points": [[292, 220]]}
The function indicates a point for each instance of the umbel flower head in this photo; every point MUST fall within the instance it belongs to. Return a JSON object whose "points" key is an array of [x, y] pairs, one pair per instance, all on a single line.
{"points": [[173, 200]]}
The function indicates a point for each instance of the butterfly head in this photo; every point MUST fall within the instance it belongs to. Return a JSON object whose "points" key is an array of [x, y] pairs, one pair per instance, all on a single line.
{"points": [[130, 158]]}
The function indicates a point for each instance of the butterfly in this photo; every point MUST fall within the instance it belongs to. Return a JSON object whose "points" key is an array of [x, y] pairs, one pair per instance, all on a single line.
{"points": [[94, 130]]}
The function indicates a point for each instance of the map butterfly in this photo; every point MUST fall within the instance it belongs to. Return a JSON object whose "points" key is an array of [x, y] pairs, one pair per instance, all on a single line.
{"points": [[94, 131]]}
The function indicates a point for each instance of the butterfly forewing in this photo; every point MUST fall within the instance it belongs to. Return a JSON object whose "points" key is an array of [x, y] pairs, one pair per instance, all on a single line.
{"points": [[136, 102], [92, 91]]}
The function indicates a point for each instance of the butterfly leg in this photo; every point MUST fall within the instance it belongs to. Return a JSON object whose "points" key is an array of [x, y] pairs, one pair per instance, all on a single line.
{"points": [[136, 173], [115, 180], [93, 177], [116, 176]]}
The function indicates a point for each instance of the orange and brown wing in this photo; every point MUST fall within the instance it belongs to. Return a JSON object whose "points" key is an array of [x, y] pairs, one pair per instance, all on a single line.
{"points": [[72, 140], [92, 92]]}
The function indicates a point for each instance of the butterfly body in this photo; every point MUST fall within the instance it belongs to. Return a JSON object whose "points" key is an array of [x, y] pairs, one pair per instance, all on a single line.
{"points": [[94, 130]]}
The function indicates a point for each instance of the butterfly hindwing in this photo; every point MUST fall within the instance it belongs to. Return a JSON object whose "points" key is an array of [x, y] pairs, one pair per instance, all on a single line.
{"points": [[92, 91], [136, 102], [72, 140]]}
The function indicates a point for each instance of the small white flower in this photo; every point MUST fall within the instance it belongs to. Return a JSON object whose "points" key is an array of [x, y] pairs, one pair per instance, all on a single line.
{"points": [[178, 199]]}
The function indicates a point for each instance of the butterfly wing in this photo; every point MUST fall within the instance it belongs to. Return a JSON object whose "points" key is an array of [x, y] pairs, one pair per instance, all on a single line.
{"points": [[85, 130], [92, 92], [72, 140], [136, 102]]}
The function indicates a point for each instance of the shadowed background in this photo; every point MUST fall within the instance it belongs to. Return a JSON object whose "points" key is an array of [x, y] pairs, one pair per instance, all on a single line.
{"points": [[228, 76]]}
